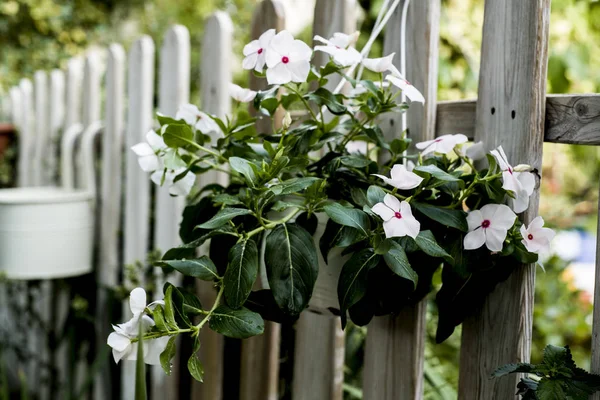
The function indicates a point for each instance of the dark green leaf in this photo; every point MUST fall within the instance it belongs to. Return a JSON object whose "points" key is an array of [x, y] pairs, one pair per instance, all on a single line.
{"points": [[352, 284], [293, 185], [355, 161], [435, 172], [179, 135], [238, 324], [348, 217], [223, 216], [202, 268], [396, 259], [165, 120], [512, 368], [246, 168], [426, 242], [169, 310], [337, 235], [375, 195], [308, 221], [324, 97], [158, 315], [549, 389], [167, 355], [452, 218], [194, 365], [292, 266], [241, 272]]}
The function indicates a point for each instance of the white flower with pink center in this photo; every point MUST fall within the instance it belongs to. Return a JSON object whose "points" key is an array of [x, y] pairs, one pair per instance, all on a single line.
{"points": [[401, 178], [521, 184], [444, 144], [379, 65], [489, 225], [339, 47], [398, 80], [288, 59], [241, 94], [256, 50], [536, 238], [397, 218]]}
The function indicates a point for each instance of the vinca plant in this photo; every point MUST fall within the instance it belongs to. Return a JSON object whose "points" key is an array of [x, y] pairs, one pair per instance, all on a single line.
{"points": [[321, 187]]}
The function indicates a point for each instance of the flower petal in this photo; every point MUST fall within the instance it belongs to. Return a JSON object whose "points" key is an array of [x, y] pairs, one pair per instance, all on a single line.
{"points": [[149, 163], [119, 355], [188, 113], [520, 202], [137, 300], [118, 342], [143, 149], [412, 227], [383, 211], [249, 61], [155, 140], [409, 90], [476, 151], [536, 223], [500, 157], [474, 219], [281, 43], [300, 51], [494, 238], [392, 202], [183, 186], [474, 240], [153, 348], [503, 217], [266, 37], [527, 180], [251, 48], [378, 64], [299, 70], [278, 75]]}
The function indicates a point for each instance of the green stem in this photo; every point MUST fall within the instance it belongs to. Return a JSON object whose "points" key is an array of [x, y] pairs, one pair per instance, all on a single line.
{"points": [[308, 108], [202, 148], [161, 334], [212, 310], [273, 224]]}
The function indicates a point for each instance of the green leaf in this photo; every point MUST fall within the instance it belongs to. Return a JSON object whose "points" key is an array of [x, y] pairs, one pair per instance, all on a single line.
{"points": [[166, 120], [223, 216], [237, 324], [397, 260], [549, 389], [194, 365], [246, 168], [355, 161], [426, 242], [324, 97], [202, 268], [352, 284], [178, 135], [336, 235], [512, 368], [436, 173], [292, 266], [241, 272], [227, 199], [167, 355], [269, 105], [140, 369], [452, 218], [169, 310], [348, 217], [375, 195], [158, 315], [293, 185]]}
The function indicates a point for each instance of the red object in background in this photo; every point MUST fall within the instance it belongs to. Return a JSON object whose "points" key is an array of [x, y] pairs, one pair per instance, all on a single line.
{"points": [[7, 132]]}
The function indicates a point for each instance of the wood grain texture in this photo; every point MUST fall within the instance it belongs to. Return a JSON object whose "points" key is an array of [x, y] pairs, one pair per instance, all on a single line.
{"points": [[25, 133], [595, 365], [570, 118], [57, 123], [318, 358], [512, 82], [42, 131], [398, 341], [259, 378]]}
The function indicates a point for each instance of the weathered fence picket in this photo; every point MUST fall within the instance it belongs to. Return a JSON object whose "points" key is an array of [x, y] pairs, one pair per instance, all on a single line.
{"points": [[56, 99], [510, 111], [140, 110], [25, 133], [42, 127]]}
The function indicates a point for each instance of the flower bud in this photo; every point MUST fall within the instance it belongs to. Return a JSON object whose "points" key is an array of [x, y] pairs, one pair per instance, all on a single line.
{"points": [[523, 168], [287, 121]]}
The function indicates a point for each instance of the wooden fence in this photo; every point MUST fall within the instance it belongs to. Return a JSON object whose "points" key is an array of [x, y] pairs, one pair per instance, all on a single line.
{"points": [[512, 109]]}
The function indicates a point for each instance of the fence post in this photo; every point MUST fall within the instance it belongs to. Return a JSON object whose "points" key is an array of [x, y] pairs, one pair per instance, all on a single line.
{"points": [[110, 210], [57, 121], [397, 343], [510, 112], [140, 88], [259, 375], [73, 91], [25, 133], [215, 76], [15, 106], [40, 142], [174, 90]]}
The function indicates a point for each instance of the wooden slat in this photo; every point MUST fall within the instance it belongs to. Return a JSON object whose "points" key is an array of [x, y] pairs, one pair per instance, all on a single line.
{"points": [[215, 76], [570, 118], [595, 364], [73, 91], [57, 121], [25, 133], [174, 90], [42, 131], [321, 341], [15, 106], [140, 88], [396, 343], [259, 374], [512, 81], [110, 208]]}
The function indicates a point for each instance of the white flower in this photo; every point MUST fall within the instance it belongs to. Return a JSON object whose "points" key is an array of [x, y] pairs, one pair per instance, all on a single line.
{"points": [[256, 50], [288, 60], [443, 144], [148, 152], [120, 339], [198, 119], [397, 218], [398, 80], [401, 178], [180, 188], [490, 226], [379, 64], [521, 184], [339, 47], [476, 151], [536, 238], [241, 94]]}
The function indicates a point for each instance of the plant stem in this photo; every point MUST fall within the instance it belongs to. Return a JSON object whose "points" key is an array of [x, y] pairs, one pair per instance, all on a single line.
{"points": [[161, 334], [213, 308], [273, 224]]}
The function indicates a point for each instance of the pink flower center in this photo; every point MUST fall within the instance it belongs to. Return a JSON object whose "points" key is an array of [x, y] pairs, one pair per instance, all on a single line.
{"points": [[438, 140], [510, 170], [485, 223], [285, 60], [530, 236], [260, 51], [397, 215]]}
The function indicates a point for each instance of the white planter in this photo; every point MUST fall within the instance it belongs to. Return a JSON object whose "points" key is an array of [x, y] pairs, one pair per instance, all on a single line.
{"points": [[45, 232]]}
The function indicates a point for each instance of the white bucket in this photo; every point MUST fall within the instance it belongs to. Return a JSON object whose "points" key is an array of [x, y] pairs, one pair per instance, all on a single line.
{"points": [[45, 232]]}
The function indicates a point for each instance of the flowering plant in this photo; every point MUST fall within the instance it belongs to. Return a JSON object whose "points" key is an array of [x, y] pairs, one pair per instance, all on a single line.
{"points": [[300, 191]]}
